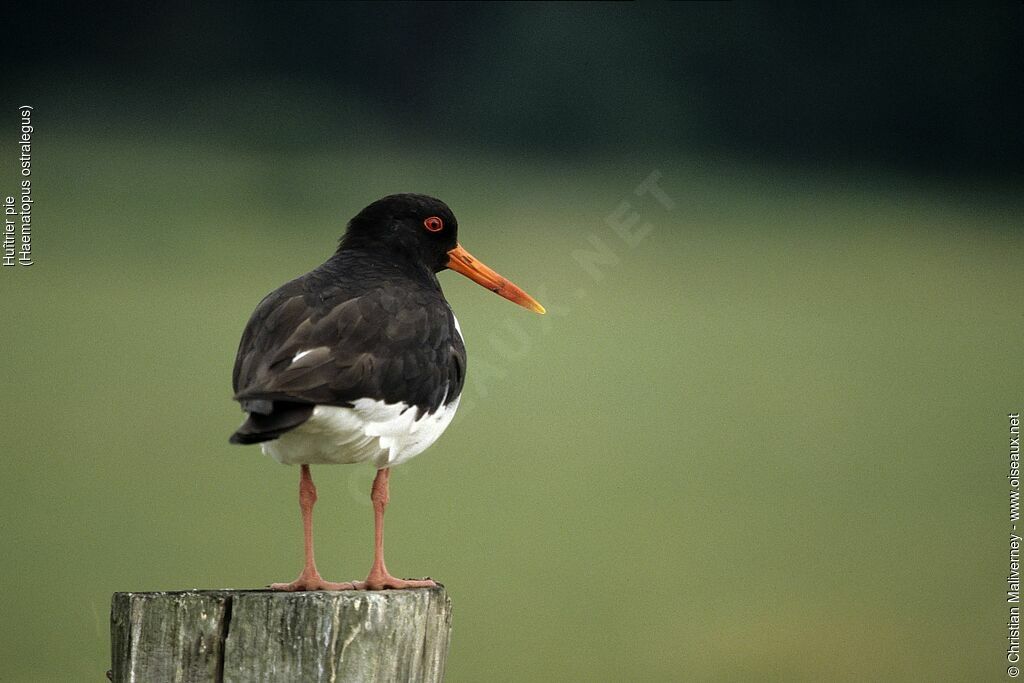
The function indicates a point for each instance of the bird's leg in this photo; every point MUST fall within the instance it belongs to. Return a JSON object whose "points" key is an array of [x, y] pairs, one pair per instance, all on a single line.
{"points": [[379, 577], [309, 579]]}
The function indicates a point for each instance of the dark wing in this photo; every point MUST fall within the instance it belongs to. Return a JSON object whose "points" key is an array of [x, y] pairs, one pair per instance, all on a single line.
{"points": [[304, 347]]}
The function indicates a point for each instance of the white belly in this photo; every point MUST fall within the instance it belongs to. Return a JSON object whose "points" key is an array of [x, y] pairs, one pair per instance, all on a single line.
{"points": [[385, 434]]}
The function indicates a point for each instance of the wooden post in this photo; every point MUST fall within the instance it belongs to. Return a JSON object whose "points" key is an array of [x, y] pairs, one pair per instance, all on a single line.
{"points": [[266, 635]]}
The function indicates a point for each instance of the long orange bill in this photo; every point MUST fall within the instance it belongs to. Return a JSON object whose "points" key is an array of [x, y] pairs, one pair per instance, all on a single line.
{"points": [[461, 261]]}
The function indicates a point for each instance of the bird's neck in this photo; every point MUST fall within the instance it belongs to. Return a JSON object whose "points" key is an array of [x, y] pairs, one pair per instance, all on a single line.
{"points": [[366, 257]]}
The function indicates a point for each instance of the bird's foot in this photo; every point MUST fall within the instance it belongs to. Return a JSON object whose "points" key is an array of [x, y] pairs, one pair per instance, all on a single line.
{"points": [[381, 581], [311, 581]]}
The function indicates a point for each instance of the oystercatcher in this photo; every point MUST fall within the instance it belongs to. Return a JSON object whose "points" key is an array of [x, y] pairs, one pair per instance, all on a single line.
{"points": [[361, 359]]}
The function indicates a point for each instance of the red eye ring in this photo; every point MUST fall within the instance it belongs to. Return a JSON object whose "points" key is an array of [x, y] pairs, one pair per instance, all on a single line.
{"points": [[433, 224]]}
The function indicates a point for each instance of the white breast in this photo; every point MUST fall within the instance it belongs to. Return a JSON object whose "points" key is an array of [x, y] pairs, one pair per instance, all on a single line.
{"points": [[385, 434]]}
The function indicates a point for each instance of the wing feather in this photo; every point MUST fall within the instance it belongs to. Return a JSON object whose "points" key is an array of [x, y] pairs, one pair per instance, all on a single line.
{"points": [[386, 344]]}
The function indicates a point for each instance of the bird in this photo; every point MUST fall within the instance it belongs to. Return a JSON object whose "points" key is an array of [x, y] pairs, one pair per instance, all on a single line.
{"points": [[361, 360]]}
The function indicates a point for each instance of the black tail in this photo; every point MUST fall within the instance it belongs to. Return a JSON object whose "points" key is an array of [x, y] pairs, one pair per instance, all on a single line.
{"points": [[270, 419]]}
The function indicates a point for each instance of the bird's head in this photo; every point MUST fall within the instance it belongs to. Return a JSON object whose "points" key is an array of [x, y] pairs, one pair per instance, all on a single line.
{"points": [[423, 229]]}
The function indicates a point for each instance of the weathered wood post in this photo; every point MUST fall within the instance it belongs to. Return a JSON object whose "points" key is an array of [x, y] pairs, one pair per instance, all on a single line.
{"points": [[228, 635]]}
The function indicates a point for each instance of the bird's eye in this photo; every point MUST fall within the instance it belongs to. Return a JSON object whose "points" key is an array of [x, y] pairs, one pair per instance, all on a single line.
{"points": [[433, 224]]}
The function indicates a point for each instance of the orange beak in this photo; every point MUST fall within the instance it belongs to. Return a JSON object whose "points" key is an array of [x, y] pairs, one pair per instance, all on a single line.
{"points": [[461, 261]]}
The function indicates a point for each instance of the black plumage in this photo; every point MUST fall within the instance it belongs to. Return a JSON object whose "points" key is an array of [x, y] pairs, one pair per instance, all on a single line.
{"points": [[361, 360], [371, 322]]}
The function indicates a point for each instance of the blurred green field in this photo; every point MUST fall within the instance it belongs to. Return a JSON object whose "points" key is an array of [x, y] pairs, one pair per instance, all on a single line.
{"points": [[768, 443]]}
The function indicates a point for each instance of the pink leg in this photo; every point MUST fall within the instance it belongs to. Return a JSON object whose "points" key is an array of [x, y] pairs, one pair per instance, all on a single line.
{"points": [[309, 579], [379, 577]]}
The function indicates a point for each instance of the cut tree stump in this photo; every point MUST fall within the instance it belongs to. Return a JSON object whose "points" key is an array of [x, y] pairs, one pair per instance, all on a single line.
{"points": [[228, 635]]}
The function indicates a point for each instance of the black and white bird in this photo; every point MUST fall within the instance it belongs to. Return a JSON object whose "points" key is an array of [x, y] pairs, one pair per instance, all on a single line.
{"points": [[361, 360]]}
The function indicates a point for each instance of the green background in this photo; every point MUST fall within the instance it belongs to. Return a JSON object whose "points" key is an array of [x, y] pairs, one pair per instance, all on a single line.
{"points": [[766, 442]]}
